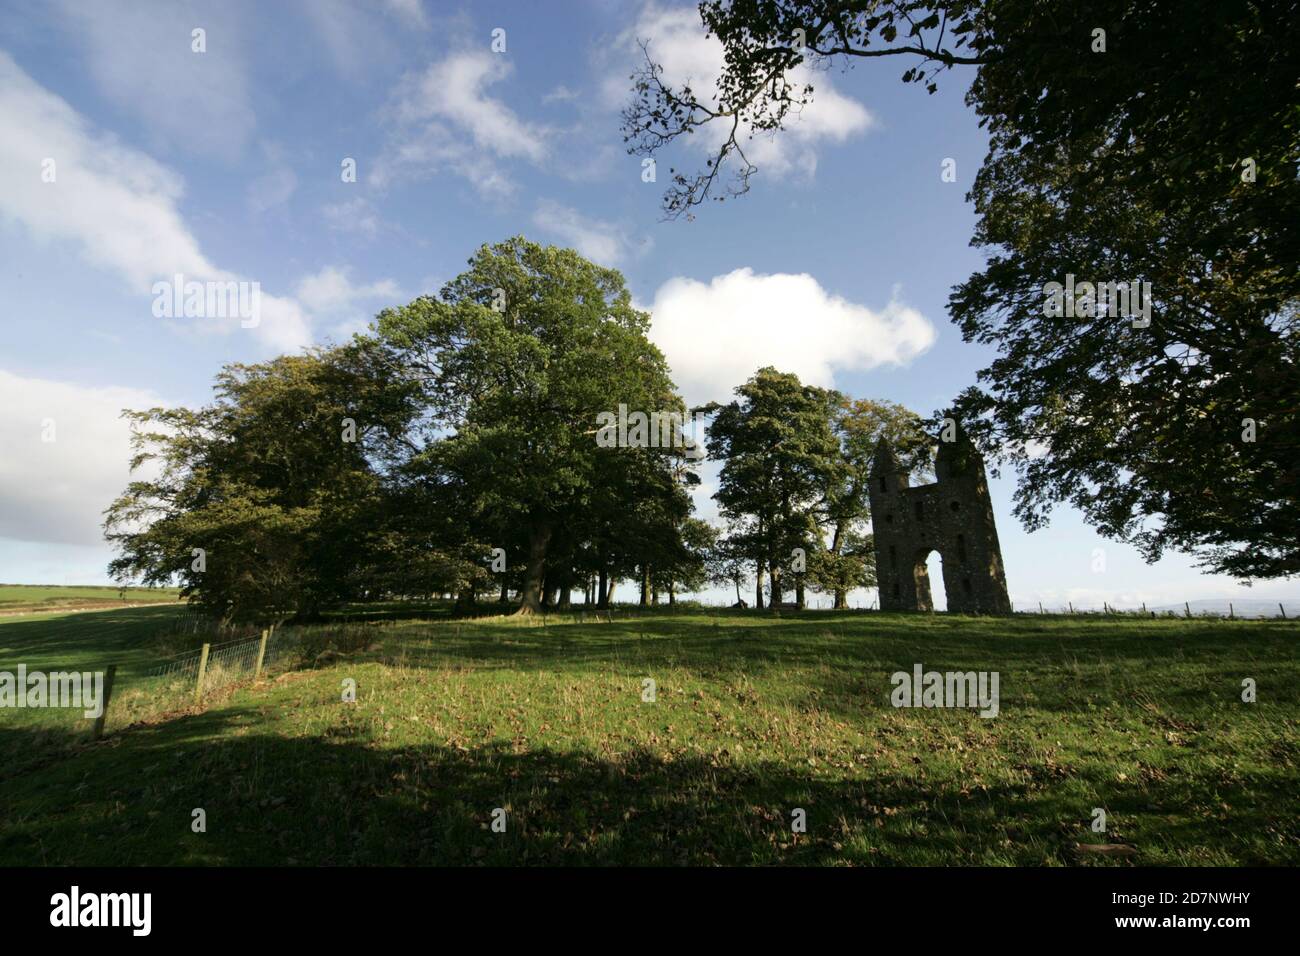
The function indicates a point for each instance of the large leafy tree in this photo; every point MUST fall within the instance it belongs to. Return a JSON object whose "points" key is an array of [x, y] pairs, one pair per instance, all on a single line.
{"points": [[779, 455], [1161, 150], [272, 500], [516, 358], [1171, 159]]}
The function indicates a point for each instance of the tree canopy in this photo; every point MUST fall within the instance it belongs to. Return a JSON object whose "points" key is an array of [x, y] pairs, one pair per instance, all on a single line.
{"points": [[453, 449], [1153, 146]]}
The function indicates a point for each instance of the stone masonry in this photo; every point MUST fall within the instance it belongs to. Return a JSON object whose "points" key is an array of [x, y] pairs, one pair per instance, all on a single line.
{"points": [[952, 516]]}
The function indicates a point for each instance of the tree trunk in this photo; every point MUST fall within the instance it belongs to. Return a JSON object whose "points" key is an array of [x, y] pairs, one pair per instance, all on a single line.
{"points": [[505, 591], [602, 588], [841, 595], [672, 593], [758, 585], [798, 592], [566, 589], [774, 575], [645, 584], [530, 597]]}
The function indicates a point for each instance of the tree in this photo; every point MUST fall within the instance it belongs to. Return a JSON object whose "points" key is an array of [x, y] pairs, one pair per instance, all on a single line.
{"points": [[516, 358], [778, 453], [726, 563], [1170, 160], [271, 501], [759, 89], [846, 559], [1151, 143]]}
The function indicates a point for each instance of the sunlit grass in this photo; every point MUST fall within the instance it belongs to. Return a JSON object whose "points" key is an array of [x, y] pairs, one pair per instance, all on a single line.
{"points": [[753, 717]]}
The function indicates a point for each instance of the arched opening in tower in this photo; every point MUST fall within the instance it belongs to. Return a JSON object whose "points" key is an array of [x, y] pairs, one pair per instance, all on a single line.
{"points": [[930, 593]]}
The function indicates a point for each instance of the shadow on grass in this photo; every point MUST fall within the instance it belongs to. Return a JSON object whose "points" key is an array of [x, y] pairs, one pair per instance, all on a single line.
{"points": [[1058, 665], [90, 640], [343, 799]]}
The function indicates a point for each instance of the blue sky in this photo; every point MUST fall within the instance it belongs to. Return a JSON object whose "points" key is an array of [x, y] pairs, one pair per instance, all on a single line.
{"points": [[227, 163]]}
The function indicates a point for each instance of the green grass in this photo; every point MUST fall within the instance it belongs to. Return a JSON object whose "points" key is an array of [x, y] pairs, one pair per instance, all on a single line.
{"points": [[42, 597], [132, 638], [755, 715]]}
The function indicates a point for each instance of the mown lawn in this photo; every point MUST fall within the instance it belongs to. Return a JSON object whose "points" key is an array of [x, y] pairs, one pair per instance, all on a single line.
{"points": [[754, 717]]}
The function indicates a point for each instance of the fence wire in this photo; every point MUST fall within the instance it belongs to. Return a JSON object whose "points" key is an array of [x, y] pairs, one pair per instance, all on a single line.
{"points": [[228, 662]]}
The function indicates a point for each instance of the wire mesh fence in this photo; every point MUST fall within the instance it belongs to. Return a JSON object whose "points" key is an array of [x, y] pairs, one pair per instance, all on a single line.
{"points": [[131, 694], [228, 662]]}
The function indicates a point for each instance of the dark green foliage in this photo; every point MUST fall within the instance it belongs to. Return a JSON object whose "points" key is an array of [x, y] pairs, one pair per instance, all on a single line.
{"points": [[1164, 151], [516, 359], [258, 503]]}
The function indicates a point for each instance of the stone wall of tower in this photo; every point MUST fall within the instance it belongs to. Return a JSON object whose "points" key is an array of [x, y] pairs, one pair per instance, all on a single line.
{"points": [[891, 531], [953, 516]]}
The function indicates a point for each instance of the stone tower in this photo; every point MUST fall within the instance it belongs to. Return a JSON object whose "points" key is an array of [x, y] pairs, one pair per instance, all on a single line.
{"points": [[952, 516]]}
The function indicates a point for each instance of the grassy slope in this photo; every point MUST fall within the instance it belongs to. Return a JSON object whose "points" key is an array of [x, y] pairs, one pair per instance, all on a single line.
{"points": [[755, 716], [41, 597], [82, 642]]}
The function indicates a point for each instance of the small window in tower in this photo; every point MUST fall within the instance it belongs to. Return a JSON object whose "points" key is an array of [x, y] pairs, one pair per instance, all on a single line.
{"points": [[889, 519], [882, 483], [956, 506], [893, 557], [965, 584], [920, 511], [896, 589], [961, 547]]}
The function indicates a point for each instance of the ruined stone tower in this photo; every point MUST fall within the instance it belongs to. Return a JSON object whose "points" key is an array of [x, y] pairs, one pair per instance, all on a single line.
{"points": [[952, 516]]}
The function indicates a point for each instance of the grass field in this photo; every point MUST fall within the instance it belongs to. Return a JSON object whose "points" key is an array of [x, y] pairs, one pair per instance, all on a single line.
{"points": [[134, 638], [754, 716], [32, 598]]}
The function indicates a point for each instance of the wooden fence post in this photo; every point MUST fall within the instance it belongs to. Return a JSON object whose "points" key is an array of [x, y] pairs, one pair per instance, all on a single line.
{"points": [[1282, 609], [261, 654], [109, 674], [1188, 608], [203, 669]]}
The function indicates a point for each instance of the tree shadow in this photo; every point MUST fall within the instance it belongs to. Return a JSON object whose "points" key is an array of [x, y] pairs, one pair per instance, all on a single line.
{"points": [[340, 798]]}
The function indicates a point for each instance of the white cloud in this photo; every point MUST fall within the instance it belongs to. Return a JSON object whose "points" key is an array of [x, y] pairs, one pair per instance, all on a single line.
{"points": [[444, 119], [410, 11], [416, 153], [454, 89], [561, 94], [116, 204], [331, 291], [678, 43], [272, 189], [717, 335], [56, 491], [355, 215], [601, 242], [140, 57], [353, 37], [333, 296]]}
